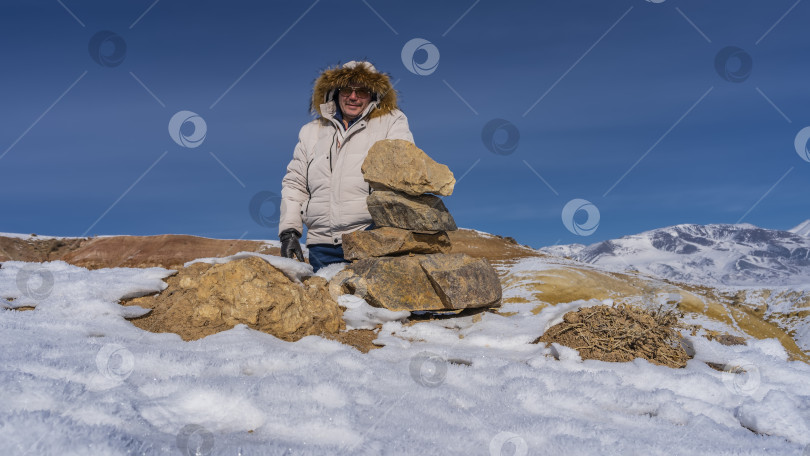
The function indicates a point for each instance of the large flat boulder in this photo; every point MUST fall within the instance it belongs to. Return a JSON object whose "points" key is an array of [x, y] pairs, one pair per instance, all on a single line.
{"points": [[421, 282], [415, 213], [400, 165], [462, 281], [204, 299], [392, 241], [393, 283]]}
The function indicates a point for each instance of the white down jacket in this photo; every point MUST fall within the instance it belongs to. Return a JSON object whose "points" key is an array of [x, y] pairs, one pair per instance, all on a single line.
{"points": [[324, 187]]}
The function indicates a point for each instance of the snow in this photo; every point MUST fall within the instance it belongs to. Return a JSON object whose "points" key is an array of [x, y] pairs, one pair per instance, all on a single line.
{"points": [[78, 379], [34, 237], [770, 268], [802, 229], [293, 269], [714, 255], [360, 315]]}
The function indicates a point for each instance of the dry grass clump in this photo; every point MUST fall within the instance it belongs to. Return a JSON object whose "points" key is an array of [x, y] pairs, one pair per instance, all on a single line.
{"points": [[621, 334]]}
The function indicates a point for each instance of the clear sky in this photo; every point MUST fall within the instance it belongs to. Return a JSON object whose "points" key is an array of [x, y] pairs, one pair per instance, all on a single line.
{"points": [[644, 114]]}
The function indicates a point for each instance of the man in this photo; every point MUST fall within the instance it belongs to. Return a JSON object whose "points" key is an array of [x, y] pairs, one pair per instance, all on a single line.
{"points": [[324, 187]]}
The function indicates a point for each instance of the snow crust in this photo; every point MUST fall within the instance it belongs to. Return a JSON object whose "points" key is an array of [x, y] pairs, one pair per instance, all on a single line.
{"points": [[29, 237], [802, 229], [360, 315], [78, 379], [293, 269]]}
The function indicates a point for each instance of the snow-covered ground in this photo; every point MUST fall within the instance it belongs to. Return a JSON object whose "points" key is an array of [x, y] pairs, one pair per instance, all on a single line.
{"points": [[78, 379]]}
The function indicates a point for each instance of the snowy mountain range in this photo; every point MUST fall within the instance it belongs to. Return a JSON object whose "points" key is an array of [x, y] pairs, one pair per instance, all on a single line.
{"points": [[803, 229], [738, 255]]}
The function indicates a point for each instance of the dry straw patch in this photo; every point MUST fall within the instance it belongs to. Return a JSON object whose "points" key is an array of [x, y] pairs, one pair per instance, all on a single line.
{"points": [[620, 334]]}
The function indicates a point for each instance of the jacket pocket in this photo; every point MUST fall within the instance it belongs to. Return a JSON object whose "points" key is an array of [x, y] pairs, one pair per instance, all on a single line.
{"points": [[305, 212]]}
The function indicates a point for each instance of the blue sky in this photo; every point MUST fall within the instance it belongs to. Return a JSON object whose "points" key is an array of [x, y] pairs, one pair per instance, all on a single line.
{"points": [[618, 103]]}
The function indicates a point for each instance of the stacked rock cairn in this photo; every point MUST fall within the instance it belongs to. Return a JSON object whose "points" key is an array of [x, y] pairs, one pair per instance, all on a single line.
{"points": [[404, 263]]}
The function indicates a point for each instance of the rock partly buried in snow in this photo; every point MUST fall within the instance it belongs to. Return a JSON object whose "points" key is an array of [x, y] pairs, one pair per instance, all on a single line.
{"points": [[400, 165], [392, 241], [416, 213], [422, 282], [204, 299]]}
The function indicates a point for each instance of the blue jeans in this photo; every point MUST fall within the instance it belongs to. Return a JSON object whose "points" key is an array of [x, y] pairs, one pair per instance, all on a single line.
{"points": [[322, 255]]}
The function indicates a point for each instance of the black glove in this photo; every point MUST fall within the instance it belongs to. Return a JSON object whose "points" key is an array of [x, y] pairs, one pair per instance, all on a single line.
{"points": [[290, 247]]}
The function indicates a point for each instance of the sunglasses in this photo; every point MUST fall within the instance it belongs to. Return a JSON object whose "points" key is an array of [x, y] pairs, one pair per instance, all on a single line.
{"points": [[361, 92]]}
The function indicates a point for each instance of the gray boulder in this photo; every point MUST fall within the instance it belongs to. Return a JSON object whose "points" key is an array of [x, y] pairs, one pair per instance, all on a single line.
{"points": [[415, 213]]}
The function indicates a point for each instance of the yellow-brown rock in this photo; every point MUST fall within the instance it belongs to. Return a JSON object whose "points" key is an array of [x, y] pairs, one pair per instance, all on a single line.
{"points": [[400, 165], [204, 299], [394, 283], [392, 241], [462, 281], [422, 282]]}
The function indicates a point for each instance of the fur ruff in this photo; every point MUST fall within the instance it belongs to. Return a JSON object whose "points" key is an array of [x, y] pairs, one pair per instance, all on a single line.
{"points": [[333, 78]]}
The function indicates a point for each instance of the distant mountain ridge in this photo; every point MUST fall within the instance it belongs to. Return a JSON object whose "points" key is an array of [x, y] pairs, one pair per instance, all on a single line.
{"points": [[802, 229], [740, 255]]}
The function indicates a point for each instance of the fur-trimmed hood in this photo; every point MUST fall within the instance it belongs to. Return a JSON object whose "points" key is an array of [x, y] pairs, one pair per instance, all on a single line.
{"points": [[359, 73]]}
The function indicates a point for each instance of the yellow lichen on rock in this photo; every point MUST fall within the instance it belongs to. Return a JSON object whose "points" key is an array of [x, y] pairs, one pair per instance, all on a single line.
{"points": [[204, 299]]}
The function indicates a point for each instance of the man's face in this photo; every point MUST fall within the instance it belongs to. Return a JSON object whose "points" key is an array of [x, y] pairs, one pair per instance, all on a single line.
{"points": [[353, 100]]}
